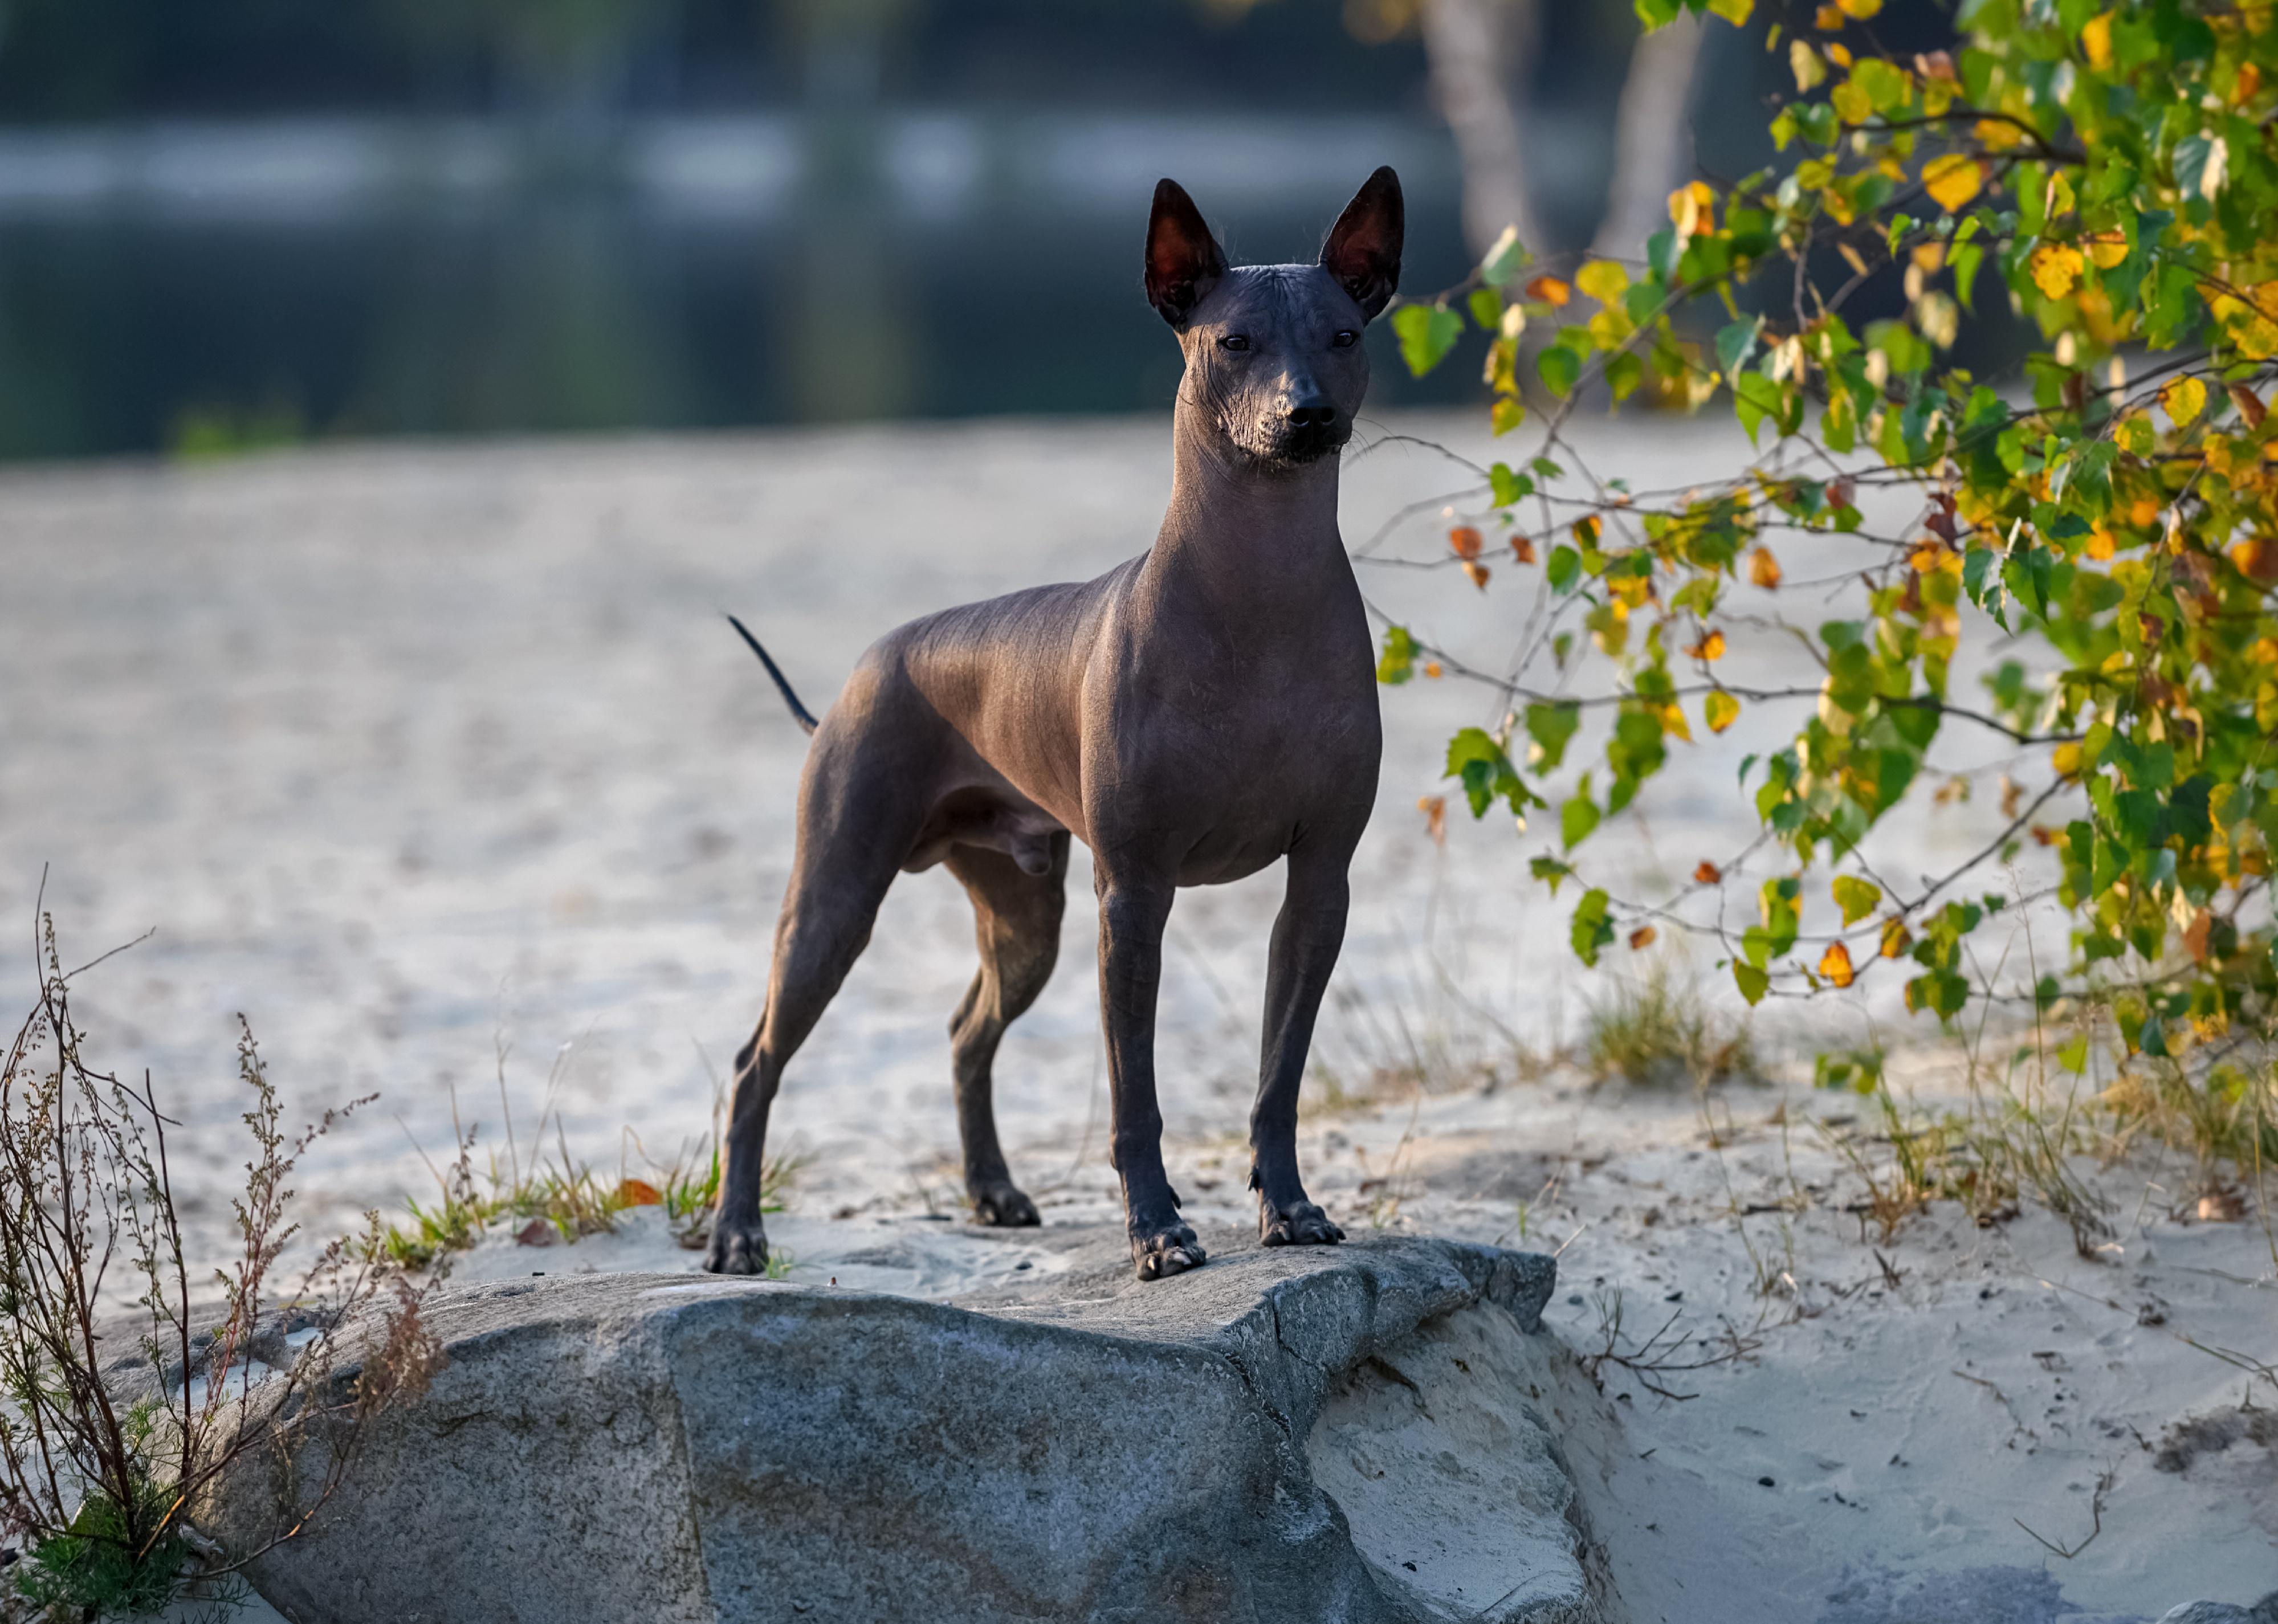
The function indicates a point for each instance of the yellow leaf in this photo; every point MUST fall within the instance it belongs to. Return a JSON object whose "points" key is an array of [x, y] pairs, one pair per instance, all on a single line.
{"points": [[1953, 180], [1506, 414], [1549, 290], [1710, 647], [1673, 722], [2056, 266], [1603, 280], [1856, 898], [1804, 63], [1691, 206], [1763, 569], [1996, 134], [2184, 399], [1851, 102], [2107, 249], [2096, 40], [1835, 965], [1859, 9], [2066, 759], [1720, 709], [1896, 938]]}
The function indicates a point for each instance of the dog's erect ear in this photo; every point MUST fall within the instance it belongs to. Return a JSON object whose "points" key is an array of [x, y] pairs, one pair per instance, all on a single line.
{"points": [[1363, 252], [1183, 260]]}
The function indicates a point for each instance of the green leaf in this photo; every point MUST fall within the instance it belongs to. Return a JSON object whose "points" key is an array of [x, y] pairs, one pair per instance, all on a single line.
{"points": [[1753, 982], [1486, 307], [1576, 820], [1508, 487], [1398, 663], [1591, 930], [1504, 260], [1560, 369], [1755, 398], [1564, 568], [1427, 333], [1550, 727]]}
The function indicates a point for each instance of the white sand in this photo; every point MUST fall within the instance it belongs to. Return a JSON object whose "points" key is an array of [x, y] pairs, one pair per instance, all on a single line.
{"points": [[409, 753]]}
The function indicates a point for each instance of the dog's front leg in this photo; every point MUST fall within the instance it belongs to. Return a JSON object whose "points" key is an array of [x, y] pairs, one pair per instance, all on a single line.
{"points": [[1306, 938], [1133, 909]]}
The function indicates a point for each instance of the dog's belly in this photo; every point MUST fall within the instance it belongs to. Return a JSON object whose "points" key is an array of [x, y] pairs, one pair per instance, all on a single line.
{"points": [[1223, 856]]}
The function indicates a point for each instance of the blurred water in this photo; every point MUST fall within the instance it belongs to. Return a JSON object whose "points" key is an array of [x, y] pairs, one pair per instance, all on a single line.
{"points": [[180, 286]]}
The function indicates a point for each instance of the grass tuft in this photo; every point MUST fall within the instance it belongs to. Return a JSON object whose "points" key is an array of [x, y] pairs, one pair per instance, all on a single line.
{"points": [[1657, 1028]]}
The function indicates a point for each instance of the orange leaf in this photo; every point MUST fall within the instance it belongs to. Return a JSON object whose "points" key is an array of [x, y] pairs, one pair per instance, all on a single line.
{"points": [[1432, 669], [1896, 938], [1763, 569], [1586, 528], [1465, 540], [1522, 549], [1835, 965], [1643, 937], [2195, 936], [2257, 558], [1478, 573], [1707, 874], [1710, 647], [1434, 808], [2249, 405], [1549, 290], [639, 1193]]}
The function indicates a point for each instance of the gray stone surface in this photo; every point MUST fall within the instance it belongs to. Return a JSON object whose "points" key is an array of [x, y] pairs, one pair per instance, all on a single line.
{"points": [[666, 1448], [2264, 1612]]}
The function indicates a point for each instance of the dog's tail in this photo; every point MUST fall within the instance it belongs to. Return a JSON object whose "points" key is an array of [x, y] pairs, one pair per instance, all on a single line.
{"points": [[799, 712]]}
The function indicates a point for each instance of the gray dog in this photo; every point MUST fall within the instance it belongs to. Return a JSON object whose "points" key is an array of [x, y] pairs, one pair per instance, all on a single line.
{"points": [[1193, 715]]}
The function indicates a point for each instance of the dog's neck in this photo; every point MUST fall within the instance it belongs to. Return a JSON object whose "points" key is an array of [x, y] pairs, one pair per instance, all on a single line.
{"points": [[1248, 534]]}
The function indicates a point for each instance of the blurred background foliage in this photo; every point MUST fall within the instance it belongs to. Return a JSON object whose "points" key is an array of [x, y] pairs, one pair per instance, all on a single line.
{"points": [[238, 222]]}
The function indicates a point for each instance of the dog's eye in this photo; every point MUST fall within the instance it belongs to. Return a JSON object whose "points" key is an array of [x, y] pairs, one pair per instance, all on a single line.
{"points": [[1234, 342], [1345, 339]]}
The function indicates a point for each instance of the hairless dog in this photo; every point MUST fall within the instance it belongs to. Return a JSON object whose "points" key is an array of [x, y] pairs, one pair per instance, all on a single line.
{"points": [[1200, 711]]}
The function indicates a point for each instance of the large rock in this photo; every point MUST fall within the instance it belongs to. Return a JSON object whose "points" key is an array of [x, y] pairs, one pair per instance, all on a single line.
{"points": [[1295, 1437]]}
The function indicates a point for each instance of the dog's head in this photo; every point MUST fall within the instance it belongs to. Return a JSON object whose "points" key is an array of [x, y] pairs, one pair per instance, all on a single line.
{"points": [[1273, 352]]}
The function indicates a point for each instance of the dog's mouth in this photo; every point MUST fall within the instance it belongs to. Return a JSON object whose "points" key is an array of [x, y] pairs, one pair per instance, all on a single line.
{"points": [[1296, 447]]}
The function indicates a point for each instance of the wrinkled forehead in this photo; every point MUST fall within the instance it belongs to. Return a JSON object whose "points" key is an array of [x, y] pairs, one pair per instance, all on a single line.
{"points": [[1263, 300]]}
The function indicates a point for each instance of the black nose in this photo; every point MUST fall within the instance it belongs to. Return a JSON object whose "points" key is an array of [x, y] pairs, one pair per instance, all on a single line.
{"points": [[1312, 413]]}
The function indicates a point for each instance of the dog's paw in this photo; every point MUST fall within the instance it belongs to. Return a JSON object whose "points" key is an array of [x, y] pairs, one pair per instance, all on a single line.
{"points": [[1299, 1224], [1171, 1250], [736, 1248], [1003, 1207]]}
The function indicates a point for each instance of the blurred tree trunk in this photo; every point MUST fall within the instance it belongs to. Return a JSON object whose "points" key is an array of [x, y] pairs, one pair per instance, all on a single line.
{"points": [[1653, 137], [1479, 52]]}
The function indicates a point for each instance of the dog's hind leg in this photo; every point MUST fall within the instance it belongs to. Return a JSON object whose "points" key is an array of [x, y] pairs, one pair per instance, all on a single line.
{"points": [[854, 827], [1017, 922]]}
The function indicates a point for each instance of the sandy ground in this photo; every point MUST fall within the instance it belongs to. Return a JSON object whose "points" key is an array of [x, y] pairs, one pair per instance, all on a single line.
{"points": [[418, 757]]}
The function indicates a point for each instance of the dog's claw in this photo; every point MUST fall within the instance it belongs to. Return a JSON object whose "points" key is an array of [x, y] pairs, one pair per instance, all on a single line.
{"points": [[736, 1248], [1299, 1224], [1004, 1207], [1167, 1252]]}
